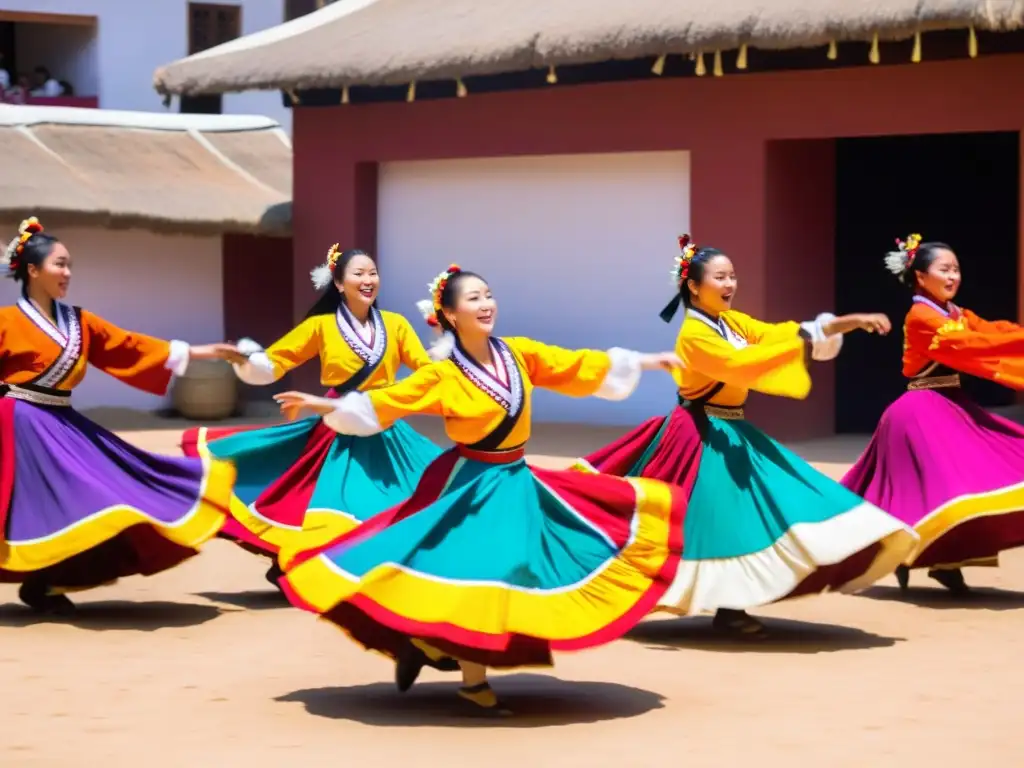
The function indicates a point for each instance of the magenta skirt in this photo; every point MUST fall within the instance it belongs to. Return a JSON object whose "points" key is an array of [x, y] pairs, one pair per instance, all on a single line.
{"points": [[952, 470]]}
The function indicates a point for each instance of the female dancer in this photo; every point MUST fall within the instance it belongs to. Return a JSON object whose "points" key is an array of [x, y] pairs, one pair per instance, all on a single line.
{"points": [[967, 505], [302, 483], [491, 561], [761, 523], [79, 507]]}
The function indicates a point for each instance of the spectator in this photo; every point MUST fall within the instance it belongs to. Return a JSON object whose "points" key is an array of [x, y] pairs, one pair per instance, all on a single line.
{"points": [[5, 76], [18, 93], [45, 84]]}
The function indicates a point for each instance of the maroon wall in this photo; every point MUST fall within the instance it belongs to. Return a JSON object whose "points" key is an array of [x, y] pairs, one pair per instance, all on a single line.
{"points": [[257, 287], [761, 156]]}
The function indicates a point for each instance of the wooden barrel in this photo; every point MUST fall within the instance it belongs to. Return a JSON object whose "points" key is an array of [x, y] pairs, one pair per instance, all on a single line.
{"points": [[207, 391]]}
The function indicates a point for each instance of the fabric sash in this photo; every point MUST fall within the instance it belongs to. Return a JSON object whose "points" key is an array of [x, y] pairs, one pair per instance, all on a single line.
{"points": [[510, 397], [371, 354]]}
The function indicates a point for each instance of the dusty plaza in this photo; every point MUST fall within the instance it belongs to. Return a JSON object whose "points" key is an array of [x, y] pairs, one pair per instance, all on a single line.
{"points": [[209, 653]]}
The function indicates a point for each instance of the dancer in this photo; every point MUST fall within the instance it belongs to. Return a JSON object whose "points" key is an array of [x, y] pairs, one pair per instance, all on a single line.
{"points": [[761, 523], [302, 484], [492, 561], [79, 507], [964, 491]]}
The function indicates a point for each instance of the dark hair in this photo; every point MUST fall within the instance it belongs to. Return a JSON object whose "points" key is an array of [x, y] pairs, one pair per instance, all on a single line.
{"points": [[41, 70], [34, 252], [331, 298], [925, 256], [450, 294], [695, 272]]}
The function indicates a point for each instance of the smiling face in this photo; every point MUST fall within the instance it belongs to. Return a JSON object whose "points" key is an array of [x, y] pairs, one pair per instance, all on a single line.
{"points": [[475, 311], [53, 276], [941, 280], [360, 282], [717, 286]]}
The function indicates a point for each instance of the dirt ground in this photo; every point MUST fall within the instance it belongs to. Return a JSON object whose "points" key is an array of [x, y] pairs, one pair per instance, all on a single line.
{"points": [[207, 666]]}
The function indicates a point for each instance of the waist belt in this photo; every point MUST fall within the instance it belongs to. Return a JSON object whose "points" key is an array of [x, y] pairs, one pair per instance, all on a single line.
{"points": [[730, 412], [31, 393], [934, 382], [507, 456]]}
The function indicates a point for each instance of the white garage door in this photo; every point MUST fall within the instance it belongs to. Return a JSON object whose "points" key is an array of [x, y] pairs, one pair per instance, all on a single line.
{"points": [[577, 249], [163, 285]]}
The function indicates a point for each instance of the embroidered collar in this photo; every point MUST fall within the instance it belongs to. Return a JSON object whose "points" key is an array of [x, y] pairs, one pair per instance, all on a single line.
{"points": [[508, 394], [951, 309], [720, 327], [371, 350], [67, 333], [58, 332]]}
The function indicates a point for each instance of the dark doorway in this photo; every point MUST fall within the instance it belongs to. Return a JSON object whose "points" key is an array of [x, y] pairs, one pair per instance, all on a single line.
{"points": [[958, 188]]}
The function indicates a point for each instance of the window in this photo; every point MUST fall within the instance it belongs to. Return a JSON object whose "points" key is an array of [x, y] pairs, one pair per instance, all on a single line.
{"points": [[293, 9], [208, 26]]}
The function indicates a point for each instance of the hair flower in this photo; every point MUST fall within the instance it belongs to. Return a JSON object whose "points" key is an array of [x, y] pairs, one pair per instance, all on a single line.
{"points": [[902, 259], [431, 308], [681, 269], [12, 255]]}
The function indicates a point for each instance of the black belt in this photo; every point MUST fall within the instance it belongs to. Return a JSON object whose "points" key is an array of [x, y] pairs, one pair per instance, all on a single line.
{"points": [[33, 393]]}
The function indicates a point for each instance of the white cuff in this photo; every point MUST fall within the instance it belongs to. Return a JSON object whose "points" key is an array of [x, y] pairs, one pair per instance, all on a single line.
{"points": [[177, 359], [353, 414], [822, 347], [257, 370], [622, 377]]}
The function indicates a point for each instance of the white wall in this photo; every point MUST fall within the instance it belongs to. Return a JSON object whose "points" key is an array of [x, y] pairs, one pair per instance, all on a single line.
{"points": [[577, 248], [164, 285], [135, 37]]}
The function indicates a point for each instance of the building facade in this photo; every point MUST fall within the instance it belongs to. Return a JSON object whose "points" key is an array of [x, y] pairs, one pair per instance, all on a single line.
{"points": [[106, 50]]}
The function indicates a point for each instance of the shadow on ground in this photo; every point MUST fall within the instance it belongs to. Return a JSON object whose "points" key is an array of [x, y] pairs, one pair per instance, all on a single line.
{"points": [[251, 600], [785, 636], [117, 615], [979, 599], [533, 699]]}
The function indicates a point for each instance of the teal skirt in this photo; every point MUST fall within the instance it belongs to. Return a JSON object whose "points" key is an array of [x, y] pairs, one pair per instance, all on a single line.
{"points": [[301, 483], [761, 523]]}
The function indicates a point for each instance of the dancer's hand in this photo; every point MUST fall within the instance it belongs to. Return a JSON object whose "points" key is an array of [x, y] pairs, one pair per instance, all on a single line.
{"points": [[294, 403], [872, 322], [228, 352], [665, 361]]}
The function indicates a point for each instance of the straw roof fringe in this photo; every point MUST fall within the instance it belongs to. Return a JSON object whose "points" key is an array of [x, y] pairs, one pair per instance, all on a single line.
{"points": [[195, 174], [393, 42]]}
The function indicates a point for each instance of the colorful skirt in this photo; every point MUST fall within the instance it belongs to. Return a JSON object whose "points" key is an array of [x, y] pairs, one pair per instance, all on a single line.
{"points": [[950, 469], [498, 563], [301, 484], [80, 507], [761, 524]]}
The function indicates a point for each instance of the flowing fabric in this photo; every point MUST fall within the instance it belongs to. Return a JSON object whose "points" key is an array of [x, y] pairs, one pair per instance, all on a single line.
{"points": [[500, 564], [82, 507]]}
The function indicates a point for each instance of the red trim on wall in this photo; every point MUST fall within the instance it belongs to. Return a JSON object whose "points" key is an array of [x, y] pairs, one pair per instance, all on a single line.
{"points": [[750, 187]]}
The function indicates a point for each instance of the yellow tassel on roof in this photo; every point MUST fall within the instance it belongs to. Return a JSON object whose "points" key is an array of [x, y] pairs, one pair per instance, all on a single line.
{"points": [[972, 43], [700, 69], [293, 97], [344, 94], [410, 95], [460, 88], [741, 57], [552, 75], [873, 55], [833, 50], [659, 65], [718, 64], [916, 55]]}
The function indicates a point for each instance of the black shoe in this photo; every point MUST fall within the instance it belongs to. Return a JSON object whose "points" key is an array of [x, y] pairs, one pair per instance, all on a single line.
{"points": [[36, 596], [408, 665], [952, 580], [903, 577], [274, 575]]}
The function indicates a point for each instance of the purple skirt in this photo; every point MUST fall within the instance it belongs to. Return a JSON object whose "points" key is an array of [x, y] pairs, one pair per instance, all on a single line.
{"points": [[80, 507], [952, 470]]}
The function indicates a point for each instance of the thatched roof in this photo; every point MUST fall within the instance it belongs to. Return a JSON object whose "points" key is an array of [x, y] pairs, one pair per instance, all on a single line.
{"points": [[389, 42], [163, 172]]}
